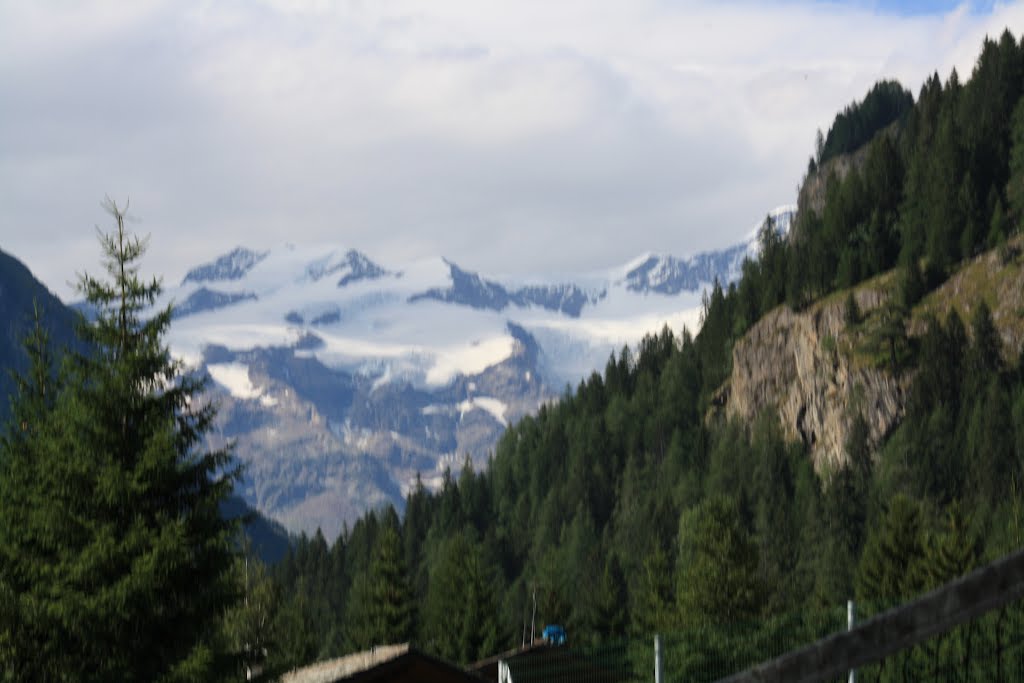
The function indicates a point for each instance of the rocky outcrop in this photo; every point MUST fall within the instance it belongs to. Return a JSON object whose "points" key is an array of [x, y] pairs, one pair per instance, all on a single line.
{"points": [[800, 366], [815, 185], [813, 371]]}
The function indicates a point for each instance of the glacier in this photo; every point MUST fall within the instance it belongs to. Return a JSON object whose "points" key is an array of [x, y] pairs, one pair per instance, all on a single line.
{"points": [[342, 379]]}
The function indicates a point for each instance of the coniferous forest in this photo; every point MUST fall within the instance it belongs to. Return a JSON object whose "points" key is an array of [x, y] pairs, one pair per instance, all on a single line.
{"points": [[629, 507]]}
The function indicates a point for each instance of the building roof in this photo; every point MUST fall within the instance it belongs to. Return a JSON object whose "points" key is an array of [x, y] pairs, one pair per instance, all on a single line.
{"points": [[386, 663], [540, 662]]}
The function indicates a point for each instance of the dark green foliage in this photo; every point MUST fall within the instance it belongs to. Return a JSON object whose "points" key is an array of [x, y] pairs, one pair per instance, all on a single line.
{"points": [[886, 102], [380, 608], [654, 604], [952, 549], [936, 187], [111, 535], [851, 311], [248, 626], [892, 567], [459, 620], [886, 335], [1015, 183], [717, 576]]}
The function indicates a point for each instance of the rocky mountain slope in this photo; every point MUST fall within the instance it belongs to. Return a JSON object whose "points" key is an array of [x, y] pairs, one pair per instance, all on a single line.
{"points": [[801, 367], [341, 379], [809, 368]]}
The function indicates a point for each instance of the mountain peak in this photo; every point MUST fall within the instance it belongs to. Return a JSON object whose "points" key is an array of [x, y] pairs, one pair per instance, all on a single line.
{"points": [[353, 266], [671, 275], [231, 266]]}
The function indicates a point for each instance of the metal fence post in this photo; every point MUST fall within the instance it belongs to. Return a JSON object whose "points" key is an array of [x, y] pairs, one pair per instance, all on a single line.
{"points": [[851, 617], [658, 677]]}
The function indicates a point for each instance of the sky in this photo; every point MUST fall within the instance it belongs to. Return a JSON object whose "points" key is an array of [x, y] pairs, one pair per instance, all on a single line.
{"points": [[516, 138]]}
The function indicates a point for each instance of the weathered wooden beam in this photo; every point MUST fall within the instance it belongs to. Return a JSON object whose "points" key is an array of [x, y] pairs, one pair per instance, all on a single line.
{"points": [[932, 614]]}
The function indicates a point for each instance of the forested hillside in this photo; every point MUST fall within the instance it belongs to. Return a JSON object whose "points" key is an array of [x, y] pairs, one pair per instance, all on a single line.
{"points": [[21, 297], [632, 506]]}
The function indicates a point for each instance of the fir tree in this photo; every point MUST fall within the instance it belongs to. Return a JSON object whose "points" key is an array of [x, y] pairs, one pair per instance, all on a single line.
{"points": [[717, 572], [20, 451], [380, 609], [1015, 184], [248, 626], [891, 568], [110, 528]]}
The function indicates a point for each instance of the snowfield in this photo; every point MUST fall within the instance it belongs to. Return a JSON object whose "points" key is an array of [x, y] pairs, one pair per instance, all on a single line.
{"points": [[430, 321]]}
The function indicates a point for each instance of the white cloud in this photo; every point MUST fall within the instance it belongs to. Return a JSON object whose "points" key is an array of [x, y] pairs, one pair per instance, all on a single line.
{"points": [[512, 136]]}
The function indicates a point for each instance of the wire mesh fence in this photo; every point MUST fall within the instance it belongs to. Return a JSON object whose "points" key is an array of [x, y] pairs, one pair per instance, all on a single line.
{"points": [[709, 652], [989, 648], [971, 629], [703, 653]]}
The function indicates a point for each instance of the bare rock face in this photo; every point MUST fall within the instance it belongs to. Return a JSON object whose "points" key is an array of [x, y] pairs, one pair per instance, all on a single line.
{"points": [[798, 366], [809, 369]]}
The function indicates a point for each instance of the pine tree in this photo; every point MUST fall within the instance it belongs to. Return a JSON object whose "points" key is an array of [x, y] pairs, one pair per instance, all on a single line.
{"points": [[380, 609], [460, 613], [954, 549], [20, 455], [891, 567], [248, 626], [653, 599], [110, 528], [717, 573], [1015, 184]]}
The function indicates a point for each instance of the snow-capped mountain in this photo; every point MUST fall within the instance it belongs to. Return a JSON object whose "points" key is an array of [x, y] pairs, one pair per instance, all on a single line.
{"points": [[669, 275], [469, 289], [231, 266], [341, 378]]}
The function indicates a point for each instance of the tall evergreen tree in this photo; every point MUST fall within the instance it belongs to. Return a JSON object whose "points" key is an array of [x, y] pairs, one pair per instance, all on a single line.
{"points": [[460, 612], [718, 578], [891, 567], [380, 608], [111, 535], [1015, 184]]}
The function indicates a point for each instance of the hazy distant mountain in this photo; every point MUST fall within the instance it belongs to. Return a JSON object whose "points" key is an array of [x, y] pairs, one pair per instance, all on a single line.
{"points": [[19, 292], [341, 378]]}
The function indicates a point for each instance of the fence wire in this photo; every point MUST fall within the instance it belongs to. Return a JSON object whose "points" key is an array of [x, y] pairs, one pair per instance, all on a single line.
{"points": [[989, 648], [702, 653]]}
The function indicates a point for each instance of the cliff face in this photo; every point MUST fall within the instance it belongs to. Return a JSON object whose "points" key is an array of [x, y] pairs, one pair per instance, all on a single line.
{"points": [[798, 365], [811, 370]]}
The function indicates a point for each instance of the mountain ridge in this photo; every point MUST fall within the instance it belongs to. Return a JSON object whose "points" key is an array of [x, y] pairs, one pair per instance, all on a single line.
{"points": [[341, 393]]}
